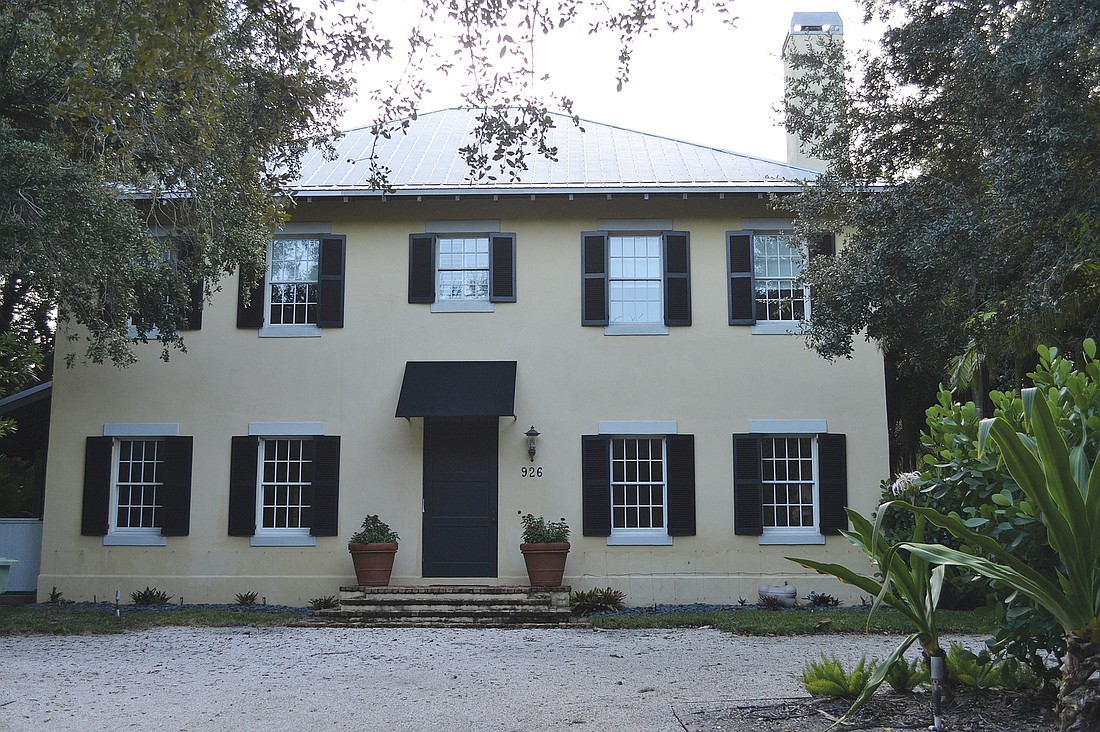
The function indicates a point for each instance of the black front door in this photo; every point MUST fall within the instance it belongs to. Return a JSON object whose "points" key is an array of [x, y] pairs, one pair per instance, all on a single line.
{"points": [[460, 497]]}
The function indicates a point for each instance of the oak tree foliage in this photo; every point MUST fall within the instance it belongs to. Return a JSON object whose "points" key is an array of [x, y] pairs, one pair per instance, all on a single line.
{"points": [[965, 158], [148, 146]]}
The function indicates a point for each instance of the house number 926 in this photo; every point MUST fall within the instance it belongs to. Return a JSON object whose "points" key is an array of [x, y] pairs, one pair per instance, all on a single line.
{"points": [[530, 472]]}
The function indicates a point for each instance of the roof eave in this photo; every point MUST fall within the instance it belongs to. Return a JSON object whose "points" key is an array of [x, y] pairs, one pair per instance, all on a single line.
{"points": [[573, 190]]}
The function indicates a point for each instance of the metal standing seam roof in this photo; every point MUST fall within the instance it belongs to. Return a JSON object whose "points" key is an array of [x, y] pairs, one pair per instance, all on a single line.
{"points": [[593, 158]]}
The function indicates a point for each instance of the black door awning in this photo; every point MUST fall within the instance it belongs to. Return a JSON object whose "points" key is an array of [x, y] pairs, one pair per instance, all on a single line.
{"points": [[458, 389]]}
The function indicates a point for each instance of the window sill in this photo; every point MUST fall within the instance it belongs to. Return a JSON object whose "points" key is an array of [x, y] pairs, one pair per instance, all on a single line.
{"points": [[282, 540], [462, 306], [135, 539], [639, 537], [290, 331], [778, 327], [631, 329], [791, 537]]}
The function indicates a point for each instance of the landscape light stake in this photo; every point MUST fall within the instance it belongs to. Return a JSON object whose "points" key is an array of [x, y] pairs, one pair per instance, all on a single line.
{"points": [[118, 598], [937, 679]]}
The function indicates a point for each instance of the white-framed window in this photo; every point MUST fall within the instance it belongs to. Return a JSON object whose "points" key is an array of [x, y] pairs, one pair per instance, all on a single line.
{"points": [[789, 488], [639, 490], [635, 279], [291, 293], [777, 261], [138, 478], [462, 270], [283, 494]]}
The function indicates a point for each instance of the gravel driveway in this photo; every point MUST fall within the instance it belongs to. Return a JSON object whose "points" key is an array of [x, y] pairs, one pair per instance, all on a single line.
{"points": [[297, 679]]}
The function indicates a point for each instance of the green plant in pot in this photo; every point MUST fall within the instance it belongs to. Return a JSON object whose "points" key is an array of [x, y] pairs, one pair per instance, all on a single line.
{"points": [[545, 547], [372, 549]]}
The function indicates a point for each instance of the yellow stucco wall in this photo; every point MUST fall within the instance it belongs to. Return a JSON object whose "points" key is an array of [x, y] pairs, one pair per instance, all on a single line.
{"points": [[711, 378]]}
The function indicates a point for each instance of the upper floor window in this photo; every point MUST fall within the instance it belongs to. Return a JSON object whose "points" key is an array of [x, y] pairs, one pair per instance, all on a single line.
{"points": [[292, 281], [763, 272], [634, 279], [301, 291], [460, 272], [777, 264], [635, 283], [463, 269]]}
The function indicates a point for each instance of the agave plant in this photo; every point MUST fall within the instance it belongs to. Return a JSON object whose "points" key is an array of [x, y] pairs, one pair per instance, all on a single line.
{"points": [[904, 583], [1065, 489]]}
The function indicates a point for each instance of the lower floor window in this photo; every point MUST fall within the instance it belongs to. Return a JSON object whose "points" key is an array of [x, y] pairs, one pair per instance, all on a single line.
{"points": [[138, 478], [787, 477], [286, 476], [284, 490], [637, 483], [790, 488]]}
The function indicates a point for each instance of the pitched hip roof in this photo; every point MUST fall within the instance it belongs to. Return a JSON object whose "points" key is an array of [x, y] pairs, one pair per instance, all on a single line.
{"points": [[595, 158]]}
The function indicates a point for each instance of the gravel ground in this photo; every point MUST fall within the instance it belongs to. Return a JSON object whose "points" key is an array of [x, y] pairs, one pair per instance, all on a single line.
{"points": [[179, 678]]}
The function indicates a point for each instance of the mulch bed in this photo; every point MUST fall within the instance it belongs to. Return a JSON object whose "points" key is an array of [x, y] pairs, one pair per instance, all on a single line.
{"points": [[971, 710]]}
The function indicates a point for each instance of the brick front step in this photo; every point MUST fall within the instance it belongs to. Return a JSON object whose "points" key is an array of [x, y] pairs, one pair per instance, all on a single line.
{"points": [[448, 605]]}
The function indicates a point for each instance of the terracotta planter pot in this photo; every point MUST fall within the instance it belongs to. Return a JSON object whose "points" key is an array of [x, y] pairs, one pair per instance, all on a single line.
{"points": [[545, 562], [373, 563]]}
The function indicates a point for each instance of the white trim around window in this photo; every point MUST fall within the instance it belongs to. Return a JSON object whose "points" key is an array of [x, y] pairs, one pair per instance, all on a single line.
{"points": [[787, 473], [143, 482], [283, 486]]}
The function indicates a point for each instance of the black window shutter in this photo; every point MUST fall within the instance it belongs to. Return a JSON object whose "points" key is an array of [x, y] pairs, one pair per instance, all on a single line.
{"points": [[742, 299], [832, 465], [823, 245], [502, 268], [243, 486], [98, 454], [748, 511], [196, 295], [681, 484], [594, 283], [326, 486], [175, 492], [677, 263], [252, 314], [330, 282], [421, 268], [596, 485]]}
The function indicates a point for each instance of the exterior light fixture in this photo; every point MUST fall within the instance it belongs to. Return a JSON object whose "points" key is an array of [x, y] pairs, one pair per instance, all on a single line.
{"points": [[531, 435]]}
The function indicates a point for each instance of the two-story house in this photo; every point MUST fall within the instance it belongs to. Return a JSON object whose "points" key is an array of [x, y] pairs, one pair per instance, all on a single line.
{"points": [[634, 302]]}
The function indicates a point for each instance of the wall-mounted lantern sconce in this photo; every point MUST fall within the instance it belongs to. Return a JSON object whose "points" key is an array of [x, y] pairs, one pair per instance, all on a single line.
{"points": [[531, 435]]}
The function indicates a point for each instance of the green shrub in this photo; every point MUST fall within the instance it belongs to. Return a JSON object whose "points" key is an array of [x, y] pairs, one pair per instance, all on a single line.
{"points": [[958, 478], [327, 602], [606, 600], [978, 670], [537, 530], [903, 676], [150, 596], [246, 598], [828, 677], [819, 600]]}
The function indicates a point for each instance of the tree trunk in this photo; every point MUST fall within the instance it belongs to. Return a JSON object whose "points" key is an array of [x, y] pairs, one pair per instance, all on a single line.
{"points": [[1078, 707]]}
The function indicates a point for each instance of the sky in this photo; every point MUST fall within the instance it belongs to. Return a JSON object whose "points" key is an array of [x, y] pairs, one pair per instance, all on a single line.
{"points": [[712, 84]]}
